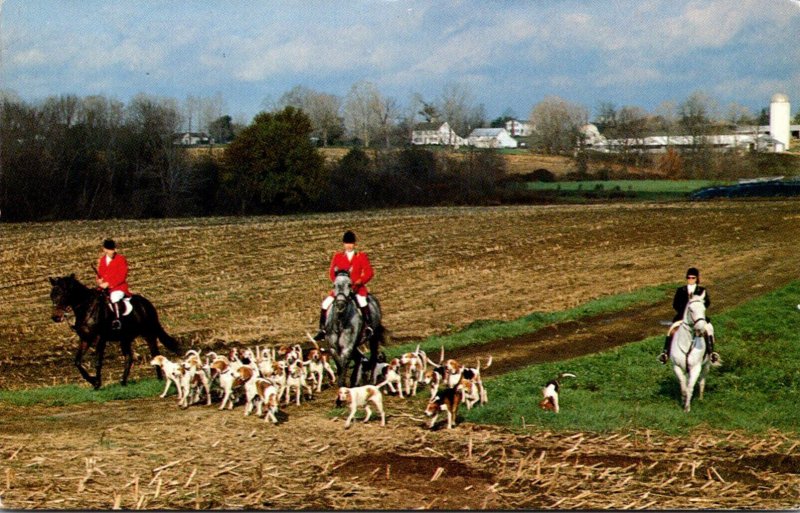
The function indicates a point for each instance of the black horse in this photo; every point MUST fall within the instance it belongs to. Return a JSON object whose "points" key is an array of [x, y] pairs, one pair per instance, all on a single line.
{"points": [[93, 319], [344, 327]]}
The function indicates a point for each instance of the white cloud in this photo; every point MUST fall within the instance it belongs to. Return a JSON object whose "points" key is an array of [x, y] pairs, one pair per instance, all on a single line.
{"points": [[30, 57]]}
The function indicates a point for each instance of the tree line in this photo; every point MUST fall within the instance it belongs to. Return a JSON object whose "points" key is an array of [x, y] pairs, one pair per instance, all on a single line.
{"points": [[94, 158]]}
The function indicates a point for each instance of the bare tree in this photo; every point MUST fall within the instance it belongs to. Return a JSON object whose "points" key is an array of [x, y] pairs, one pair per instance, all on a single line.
{"points": [[457, 106], [386, 111], [558, 123], [359, 115], [321, 108]]}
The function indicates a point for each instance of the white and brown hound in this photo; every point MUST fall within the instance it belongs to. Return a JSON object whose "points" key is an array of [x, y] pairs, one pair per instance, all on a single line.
{"points": [[361, 397], [550, 393]]}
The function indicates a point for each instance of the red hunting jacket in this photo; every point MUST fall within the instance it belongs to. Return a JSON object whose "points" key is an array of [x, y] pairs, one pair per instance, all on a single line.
{"points": [[360, 269], [114, 273]]}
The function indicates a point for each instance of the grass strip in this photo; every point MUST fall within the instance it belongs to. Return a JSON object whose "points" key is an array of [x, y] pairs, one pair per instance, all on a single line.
{"points": [[757, 388], [63, 395]]}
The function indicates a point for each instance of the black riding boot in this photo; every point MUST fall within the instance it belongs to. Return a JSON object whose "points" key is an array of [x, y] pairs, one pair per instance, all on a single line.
{"points": [[367, 320], [116, 324], [321, 333], [664, 356], [710, 348]]}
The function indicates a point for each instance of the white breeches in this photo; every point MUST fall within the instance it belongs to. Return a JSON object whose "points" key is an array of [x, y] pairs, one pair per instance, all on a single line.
{"points": [[116, 296], [328, 301]]}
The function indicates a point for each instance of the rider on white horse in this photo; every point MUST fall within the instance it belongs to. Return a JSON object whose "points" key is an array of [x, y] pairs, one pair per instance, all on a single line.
{"points": [[679, 302]]}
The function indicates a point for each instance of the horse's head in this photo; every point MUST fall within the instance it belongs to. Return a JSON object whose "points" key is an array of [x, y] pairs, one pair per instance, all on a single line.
{"points": [[342, 288], [62, 295], [695, 315]]}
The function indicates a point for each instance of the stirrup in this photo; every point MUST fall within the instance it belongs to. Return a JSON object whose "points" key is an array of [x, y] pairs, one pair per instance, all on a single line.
{"points": [[116, 325], [715, 359], [663, 358], [368, 331]]}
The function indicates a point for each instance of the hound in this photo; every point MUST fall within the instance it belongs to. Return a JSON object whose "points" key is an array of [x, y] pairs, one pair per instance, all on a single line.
{"points": [[391, 376], [361, 397], [318, 362], [550, 393], [446, 400], [258, 392], [296, 379], [171, 371], [413, 369], [470, 392], [221, 369], [192, 377]]}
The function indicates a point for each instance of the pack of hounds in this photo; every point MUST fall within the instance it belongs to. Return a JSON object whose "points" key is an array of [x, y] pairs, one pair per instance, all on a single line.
{"points": [[266, 379]]}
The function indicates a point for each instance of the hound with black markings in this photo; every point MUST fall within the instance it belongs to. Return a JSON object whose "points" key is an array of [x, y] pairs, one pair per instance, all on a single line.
{"points": [[446, 400], [550, 393]]}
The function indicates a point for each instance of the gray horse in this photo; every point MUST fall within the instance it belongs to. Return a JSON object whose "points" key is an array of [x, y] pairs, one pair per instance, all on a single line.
{"points": [[344, 327]]}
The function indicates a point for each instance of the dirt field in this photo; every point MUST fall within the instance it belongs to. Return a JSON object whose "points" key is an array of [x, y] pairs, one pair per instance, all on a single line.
{"points": [[228, 281]]}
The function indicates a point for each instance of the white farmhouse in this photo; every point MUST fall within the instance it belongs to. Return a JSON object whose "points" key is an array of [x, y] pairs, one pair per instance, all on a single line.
{"points": [[491, 138], [436, 133], [518, 128]]}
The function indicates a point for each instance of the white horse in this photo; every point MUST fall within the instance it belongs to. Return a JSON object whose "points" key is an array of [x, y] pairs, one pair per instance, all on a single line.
{"points": [[688, 351]]}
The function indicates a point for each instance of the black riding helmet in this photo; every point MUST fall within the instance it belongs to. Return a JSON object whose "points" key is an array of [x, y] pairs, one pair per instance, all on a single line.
{"points": [[109, 244], [692, 271], [349, 237]]}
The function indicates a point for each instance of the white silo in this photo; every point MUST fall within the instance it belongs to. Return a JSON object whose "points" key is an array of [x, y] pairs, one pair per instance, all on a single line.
{"points": [[779, 118]]}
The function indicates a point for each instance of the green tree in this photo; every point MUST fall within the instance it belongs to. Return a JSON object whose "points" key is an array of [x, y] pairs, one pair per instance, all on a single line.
{"points": [[272, 164]]}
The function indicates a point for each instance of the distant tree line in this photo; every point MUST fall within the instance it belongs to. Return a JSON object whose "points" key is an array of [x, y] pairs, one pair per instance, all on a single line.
{"points": [[94, 157]]}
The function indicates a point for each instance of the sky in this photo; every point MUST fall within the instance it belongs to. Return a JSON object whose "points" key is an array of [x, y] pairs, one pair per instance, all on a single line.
{"points": [[509, 55]]}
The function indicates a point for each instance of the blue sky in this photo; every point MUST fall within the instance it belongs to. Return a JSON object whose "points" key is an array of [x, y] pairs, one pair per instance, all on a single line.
{"points": [[509, 54]]}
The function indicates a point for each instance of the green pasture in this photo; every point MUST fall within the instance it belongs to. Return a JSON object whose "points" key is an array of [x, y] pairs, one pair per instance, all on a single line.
{"points": [[640, 189], [756, 389]]}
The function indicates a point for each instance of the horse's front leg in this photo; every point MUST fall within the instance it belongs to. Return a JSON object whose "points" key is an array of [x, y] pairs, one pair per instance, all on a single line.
{"points": [[82, 347], [681, 380]]}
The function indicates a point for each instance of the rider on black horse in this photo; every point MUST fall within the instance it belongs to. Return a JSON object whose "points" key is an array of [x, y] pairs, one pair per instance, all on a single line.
{"points": [[679, 302], [357, 263], [112, 273]]}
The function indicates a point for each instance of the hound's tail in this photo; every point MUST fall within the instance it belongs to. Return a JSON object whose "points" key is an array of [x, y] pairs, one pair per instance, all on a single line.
{"points": [[566, 375]]}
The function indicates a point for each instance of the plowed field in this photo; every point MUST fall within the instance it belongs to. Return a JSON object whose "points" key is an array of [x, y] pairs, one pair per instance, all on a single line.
{"points": [[227, 281]]}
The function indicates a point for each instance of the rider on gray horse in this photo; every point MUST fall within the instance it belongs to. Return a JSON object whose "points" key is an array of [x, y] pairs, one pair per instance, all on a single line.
{"points": [[679, 302], [360, 269]]}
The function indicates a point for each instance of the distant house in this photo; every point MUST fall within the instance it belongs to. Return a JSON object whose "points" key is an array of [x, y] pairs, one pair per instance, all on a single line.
{"points": [[436, 133], [491, 138], [518, 128], [191, 139]]}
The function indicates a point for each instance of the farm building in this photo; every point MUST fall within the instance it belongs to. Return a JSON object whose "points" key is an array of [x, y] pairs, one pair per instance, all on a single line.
{"points": [[436, 133], [191, 139], [660, 143], [491, 138], [518, 128]]}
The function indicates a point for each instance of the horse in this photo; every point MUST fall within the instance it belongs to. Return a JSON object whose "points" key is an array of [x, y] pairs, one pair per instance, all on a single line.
{"points": [[688, 351], [93, 319], [343, 328]]}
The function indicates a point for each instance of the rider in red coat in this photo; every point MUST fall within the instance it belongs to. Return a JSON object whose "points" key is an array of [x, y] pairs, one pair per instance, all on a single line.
{"points": [[357, 263], [112, 273]]}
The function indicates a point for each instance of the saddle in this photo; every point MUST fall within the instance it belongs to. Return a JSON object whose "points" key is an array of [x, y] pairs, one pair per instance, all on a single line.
{"points": [[126, 304]]}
